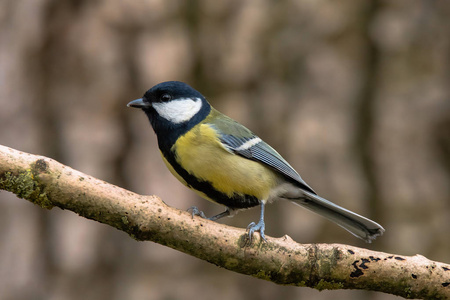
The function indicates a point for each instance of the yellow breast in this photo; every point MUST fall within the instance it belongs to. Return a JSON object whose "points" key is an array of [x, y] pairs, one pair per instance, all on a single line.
{"points": [[201, 154]]}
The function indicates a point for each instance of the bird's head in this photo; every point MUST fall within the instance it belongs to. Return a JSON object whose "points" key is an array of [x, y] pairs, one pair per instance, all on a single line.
{"points": [[173, 106]]}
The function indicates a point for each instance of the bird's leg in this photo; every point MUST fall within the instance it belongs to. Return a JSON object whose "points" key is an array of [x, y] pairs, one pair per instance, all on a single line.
{"points": [[197, 212], [252, 227], [221, 215]]}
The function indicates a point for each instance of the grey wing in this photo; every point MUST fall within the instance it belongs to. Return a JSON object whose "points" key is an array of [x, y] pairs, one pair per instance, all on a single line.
{"points": [[252, 147]]}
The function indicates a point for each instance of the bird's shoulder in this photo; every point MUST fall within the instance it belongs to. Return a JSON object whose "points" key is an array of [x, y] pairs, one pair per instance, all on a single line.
{"points": [[225, 125]]}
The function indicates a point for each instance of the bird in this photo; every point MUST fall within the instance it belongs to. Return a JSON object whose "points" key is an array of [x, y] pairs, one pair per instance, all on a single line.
{"points": [[226, 163]]}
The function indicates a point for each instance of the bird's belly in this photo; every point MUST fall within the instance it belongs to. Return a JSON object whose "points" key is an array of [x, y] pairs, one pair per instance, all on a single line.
{"points": [[201, 154]]}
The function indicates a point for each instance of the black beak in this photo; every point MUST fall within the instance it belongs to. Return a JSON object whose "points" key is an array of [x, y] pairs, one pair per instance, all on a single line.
{"points": [[139, 103]]}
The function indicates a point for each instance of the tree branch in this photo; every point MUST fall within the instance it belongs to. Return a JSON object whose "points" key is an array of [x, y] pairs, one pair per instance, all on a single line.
{"points": [[48, 183]]}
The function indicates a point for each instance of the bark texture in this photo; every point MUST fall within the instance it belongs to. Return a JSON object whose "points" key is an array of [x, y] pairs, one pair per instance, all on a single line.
{"points": [[48, 183]]}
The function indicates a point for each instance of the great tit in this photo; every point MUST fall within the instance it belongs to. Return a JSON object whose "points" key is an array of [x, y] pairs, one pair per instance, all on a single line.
{"points": [[226, 163]]}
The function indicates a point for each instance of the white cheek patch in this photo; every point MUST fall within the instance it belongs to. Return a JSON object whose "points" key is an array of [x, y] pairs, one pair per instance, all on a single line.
{"points": [[178, 111]]}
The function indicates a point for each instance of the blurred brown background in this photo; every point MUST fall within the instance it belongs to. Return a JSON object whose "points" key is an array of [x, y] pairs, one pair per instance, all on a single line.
{"points": [[354, 94]]}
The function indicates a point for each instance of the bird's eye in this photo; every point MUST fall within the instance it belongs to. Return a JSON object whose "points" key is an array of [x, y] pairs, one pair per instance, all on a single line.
{"points": [[166, 97]]}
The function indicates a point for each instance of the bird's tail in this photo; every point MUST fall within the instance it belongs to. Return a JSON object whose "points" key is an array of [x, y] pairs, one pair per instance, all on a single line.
{"points": [[357, 225]]}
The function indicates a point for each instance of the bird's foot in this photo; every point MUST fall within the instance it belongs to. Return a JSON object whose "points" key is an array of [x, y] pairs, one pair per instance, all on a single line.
{"points": [[196, 212], [252, 227]]}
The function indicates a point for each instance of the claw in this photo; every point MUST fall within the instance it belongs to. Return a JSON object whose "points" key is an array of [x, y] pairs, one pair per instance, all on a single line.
{"points": [[252, 227], [196, 212]]}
